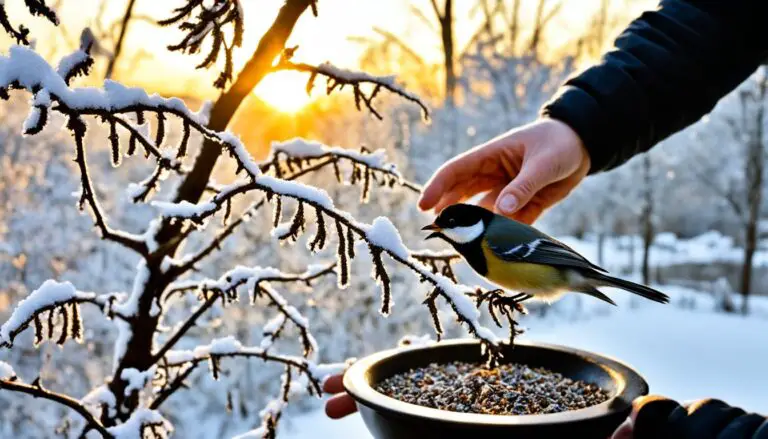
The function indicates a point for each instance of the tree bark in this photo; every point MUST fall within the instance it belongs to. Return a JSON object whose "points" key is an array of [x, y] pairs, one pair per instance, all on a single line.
{"points": [[139, 349], [119, 44], [600, 248], [754, 173], [446, 34], [647, 219]]}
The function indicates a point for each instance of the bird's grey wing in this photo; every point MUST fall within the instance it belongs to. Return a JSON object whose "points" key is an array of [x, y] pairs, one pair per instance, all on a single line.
{"points": [[543, 251]]}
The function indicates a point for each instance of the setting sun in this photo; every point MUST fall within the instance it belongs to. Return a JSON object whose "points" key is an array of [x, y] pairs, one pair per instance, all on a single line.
{"points": [[284, 91]]}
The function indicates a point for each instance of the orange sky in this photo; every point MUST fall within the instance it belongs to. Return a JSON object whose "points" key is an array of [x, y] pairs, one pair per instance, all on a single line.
{"points": [[320, 39]]}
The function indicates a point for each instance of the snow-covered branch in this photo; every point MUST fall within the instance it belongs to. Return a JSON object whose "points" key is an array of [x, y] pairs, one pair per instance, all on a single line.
{"points": [[256, 280], [381, 238], [54, 305], [290, 160], [296, 155], [311, 374], [338, 78]]}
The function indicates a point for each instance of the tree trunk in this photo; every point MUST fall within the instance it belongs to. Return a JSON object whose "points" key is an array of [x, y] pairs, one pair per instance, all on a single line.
{"points": [[600, 248], [754, 173], [446, 35], [119, 44], [647, 219], [140, 347]]}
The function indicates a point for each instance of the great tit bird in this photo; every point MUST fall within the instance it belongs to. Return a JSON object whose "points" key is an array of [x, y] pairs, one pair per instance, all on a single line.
{"points": [[515, 256]]}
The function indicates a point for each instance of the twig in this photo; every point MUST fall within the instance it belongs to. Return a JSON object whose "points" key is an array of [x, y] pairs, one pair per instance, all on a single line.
{"points": [[36, 390], [338, 78]]}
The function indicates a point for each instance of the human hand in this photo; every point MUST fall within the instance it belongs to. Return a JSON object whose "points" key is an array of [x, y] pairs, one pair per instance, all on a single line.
{"points": [[655, 417], [523, 171], [341, 404]]}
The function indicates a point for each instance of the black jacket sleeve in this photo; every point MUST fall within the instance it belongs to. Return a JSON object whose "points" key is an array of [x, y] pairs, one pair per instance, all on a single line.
{"points": [[668, 69], [659, 418]]}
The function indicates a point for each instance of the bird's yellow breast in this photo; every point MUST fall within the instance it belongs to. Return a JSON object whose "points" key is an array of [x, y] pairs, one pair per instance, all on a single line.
{"points": [[521, 276]]}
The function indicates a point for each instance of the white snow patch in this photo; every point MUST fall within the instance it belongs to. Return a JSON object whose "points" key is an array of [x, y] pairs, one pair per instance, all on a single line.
{"points": [[136, 379], [133, 428], [6, 371], [183, 209], [384, 234], [101, 396]]}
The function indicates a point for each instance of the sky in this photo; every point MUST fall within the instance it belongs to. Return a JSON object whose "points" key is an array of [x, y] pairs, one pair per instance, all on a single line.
{"points": [[320, 39]]}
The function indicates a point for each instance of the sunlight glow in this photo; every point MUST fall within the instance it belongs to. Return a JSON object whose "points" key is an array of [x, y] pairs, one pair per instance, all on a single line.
{"points": [[284, 91]]}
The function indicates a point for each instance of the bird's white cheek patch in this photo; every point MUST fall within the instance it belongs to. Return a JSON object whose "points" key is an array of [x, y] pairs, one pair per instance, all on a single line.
{"points": [[463, 235]]}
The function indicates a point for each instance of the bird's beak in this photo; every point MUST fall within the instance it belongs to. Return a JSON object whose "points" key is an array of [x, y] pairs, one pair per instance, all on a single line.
{"points": [[434, 228]]}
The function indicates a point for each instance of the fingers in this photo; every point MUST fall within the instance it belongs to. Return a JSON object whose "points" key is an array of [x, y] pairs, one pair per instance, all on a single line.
{"points": [[334, 384], [452, 197], [451, 179], [340, 406], [650, 416], [443, 181], [489, 200], [704, 419], [624, 431], [528, 214], [533, 177]]}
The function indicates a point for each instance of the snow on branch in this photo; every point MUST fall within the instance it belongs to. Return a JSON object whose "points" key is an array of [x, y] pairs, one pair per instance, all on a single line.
{"points": [[311, 375], [54, 307], [338, 78], [288, 161], [202, 20], [35, 7], [143, 423], [298, 154], [114, 105], [381, 237], [257, 281]]}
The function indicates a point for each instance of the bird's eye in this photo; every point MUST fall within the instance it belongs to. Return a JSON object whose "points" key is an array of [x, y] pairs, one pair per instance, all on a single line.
{"points": [[452, 221]]}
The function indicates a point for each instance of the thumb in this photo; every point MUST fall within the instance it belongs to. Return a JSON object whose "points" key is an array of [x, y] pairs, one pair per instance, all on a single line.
{"points": [[533, 177]]}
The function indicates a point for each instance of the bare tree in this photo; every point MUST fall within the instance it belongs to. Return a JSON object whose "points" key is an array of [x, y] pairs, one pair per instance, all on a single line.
{"points": [[118, 49], [743, 195]]}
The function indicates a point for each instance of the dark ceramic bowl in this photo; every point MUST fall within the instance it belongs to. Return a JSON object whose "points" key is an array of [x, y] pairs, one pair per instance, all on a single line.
{"points": [[388, 418]]}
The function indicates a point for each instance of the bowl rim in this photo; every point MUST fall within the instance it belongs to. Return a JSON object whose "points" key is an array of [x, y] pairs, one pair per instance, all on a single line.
{"points": [[629, 385]]}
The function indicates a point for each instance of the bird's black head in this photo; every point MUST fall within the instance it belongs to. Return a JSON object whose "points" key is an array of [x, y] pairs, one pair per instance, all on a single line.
{"points": [[460, 223]]}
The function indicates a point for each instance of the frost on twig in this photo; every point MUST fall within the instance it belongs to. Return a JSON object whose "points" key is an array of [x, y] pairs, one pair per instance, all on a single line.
{"points": [[213, 21], [338, 78], [35, 7], [54, 312]]}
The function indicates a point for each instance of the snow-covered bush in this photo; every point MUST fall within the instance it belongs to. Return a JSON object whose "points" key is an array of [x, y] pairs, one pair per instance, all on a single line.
{"points": [[153, 353]]}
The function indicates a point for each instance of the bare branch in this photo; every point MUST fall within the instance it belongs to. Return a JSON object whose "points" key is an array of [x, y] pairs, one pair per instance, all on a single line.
{"points": [[226, 285], [35, 7], [338, 78], [88, 195], [209, 23], [394, 39], [37, 390]]}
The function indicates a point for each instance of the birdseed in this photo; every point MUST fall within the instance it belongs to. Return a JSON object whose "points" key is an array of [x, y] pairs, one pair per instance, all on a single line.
{"points": [[510, 389]]}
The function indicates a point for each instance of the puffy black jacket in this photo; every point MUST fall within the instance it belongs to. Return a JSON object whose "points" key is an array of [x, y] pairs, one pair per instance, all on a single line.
{"points": [[668, 69], [659, 418]]}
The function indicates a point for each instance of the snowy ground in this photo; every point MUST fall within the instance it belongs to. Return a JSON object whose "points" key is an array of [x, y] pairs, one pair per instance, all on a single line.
{"points": [[685, 354]]}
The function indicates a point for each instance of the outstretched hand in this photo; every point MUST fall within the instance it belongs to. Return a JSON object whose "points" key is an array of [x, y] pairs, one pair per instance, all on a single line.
{"points": [[523, 172]]}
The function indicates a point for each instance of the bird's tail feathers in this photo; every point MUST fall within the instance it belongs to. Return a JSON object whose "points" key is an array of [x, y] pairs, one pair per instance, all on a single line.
{"points": [[594, 292], [640, 290]]}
